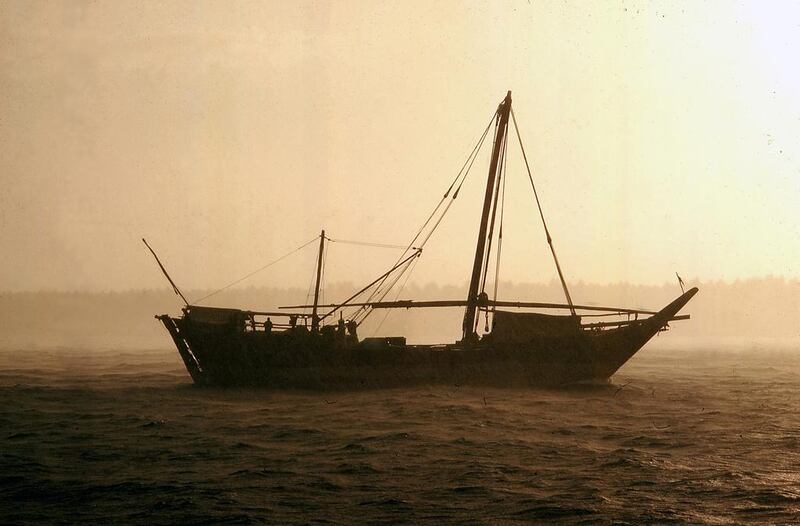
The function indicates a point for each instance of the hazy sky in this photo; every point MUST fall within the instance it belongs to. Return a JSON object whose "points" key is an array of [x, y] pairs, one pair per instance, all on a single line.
{"points": [[664, 137]]}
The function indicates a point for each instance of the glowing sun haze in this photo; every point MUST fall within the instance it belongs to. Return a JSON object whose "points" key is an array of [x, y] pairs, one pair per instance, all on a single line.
{"points": [[663, 137]]}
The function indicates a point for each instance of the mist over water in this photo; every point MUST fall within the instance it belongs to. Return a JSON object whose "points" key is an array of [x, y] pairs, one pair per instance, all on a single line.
{"points": [[735, 313], [700, 436]]}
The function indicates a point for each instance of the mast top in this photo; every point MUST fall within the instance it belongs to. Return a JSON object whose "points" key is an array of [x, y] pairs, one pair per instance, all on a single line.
{"points": [[506, 102]]}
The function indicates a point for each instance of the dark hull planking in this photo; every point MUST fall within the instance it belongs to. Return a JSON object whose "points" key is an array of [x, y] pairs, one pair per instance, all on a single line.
{"points": [[304, 360]]}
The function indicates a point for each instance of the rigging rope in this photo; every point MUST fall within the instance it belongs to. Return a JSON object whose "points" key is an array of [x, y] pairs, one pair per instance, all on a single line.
{"points": [[365, 313], [500, 234], [383, 293], [361, 313], [372, 284], [455, 195], [462, 175], [365, 244], [304, 245], [396, 296], [541, 214], [490, 236]]}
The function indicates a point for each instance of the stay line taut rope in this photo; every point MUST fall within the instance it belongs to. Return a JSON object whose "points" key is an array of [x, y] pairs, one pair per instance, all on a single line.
{"points": [[381, 277], [367, 244], [364, 312], [231, 284], [541, 214], [399, 291], [490, 237], [500, 233], [462, 174]]}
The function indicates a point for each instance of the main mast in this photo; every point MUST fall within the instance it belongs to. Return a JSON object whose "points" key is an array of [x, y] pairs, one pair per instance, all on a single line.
{"points": [[494, 166], [314, 317]]}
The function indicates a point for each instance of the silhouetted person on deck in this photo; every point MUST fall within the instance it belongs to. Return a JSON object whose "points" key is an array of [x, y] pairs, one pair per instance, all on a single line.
{"points": [[268, 326], [351, 329], [340, 334]]}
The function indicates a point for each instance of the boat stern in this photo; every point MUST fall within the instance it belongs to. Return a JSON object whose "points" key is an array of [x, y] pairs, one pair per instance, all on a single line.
{"points": [[189, 359]]}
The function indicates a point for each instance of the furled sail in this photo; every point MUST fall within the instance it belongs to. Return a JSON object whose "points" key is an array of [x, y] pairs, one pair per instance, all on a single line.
{"points": [[522, 327]]}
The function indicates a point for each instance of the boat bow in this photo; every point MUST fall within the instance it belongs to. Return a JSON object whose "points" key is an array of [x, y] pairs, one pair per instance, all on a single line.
{"points": [[615, 347]]}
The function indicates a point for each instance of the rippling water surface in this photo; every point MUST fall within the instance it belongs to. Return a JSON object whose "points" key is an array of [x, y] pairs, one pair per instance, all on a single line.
{"points": [[678, 437]]}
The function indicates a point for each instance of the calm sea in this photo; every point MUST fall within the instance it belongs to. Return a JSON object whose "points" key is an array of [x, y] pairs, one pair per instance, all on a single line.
{"points": [[681, 437]]}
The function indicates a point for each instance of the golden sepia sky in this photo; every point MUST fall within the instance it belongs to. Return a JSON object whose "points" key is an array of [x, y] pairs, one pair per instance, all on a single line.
{"points": [[663, 137]]}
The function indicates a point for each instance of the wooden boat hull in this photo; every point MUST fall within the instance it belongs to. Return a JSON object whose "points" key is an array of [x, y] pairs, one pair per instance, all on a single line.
{"points": [[304, 360]]}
